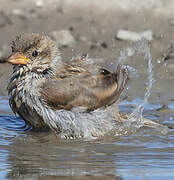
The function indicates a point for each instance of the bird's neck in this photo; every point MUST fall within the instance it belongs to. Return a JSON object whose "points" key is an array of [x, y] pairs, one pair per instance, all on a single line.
{"points": [[27, 81]]}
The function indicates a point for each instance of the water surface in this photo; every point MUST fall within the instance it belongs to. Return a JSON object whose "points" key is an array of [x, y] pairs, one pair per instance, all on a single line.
{"points": [[147, 154]]}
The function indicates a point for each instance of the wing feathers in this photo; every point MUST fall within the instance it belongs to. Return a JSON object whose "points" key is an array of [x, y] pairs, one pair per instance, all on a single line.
{"points": [[79, 88]]}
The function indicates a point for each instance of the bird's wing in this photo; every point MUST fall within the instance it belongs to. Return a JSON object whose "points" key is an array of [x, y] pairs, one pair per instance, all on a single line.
{"points": [[76, 87]]}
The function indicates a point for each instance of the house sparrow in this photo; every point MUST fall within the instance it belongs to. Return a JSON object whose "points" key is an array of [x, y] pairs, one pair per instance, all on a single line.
{"points": [[75, 99]]}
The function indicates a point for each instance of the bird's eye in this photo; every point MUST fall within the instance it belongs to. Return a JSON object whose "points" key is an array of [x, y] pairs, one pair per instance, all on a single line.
{"points": [[34, 53]]}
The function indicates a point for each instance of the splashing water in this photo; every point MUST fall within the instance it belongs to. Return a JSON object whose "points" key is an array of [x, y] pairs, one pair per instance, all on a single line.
{"points": [[136, 116], [135, 119]]}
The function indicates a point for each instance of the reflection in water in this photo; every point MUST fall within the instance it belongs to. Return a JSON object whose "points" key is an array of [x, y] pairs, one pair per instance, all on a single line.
{"points": [[30, 155], [45, 155], [13, 123]]}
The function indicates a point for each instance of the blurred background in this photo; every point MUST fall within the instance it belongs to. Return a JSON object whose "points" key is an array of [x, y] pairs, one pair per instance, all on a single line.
{"points": [[99, 28]]}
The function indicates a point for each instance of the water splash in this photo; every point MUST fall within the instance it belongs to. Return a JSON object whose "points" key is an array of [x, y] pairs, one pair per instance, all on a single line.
{"points": [[135, 119]]}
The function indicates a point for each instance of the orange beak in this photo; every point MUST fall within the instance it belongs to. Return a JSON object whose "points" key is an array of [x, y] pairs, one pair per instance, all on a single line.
{"points": [[18, 58]]}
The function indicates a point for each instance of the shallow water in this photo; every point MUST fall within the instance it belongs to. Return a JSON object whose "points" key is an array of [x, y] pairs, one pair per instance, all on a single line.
{"points": [[147, 154]]}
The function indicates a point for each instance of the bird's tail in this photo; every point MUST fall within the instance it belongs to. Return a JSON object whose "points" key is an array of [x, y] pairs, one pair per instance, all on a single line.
{"points": [[146, 122], [151, 124]]}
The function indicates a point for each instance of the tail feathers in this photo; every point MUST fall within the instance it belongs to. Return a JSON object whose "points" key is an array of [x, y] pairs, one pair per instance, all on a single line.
{"points": [[147, 122], [152, 124]]}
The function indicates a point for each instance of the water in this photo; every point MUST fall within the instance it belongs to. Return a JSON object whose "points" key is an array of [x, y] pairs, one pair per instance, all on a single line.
{"points": [[145, 154], [135, 119], [28, 155], [142, 154]]}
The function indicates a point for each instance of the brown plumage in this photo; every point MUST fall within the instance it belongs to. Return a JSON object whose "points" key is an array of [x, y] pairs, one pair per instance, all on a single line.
{"points": [[74, 98], [80, 87]]}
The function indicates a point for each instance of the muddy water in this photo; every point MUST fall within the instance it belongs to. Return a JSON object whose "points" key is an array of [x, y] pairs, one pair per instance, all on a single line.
{"points": [[147, 154]]}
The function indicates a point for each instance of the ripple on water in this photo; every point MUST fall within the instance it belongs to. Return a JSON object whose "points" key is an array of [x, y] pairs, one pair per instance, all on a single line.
{"points": [[10, 127], [143, 152], [13, 123], [130, 105], [4, 105], [171, 105]]}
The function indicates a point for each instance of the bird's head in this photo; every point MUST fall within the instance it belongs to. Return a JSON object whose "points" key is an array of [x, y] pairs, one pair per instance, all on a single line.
{"points": [[37, 52]]}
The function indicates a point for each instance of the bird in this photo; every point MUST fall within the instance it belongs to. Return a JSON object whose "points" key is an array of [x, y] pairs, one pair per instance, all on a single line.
{"points": [[75, 98]]}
